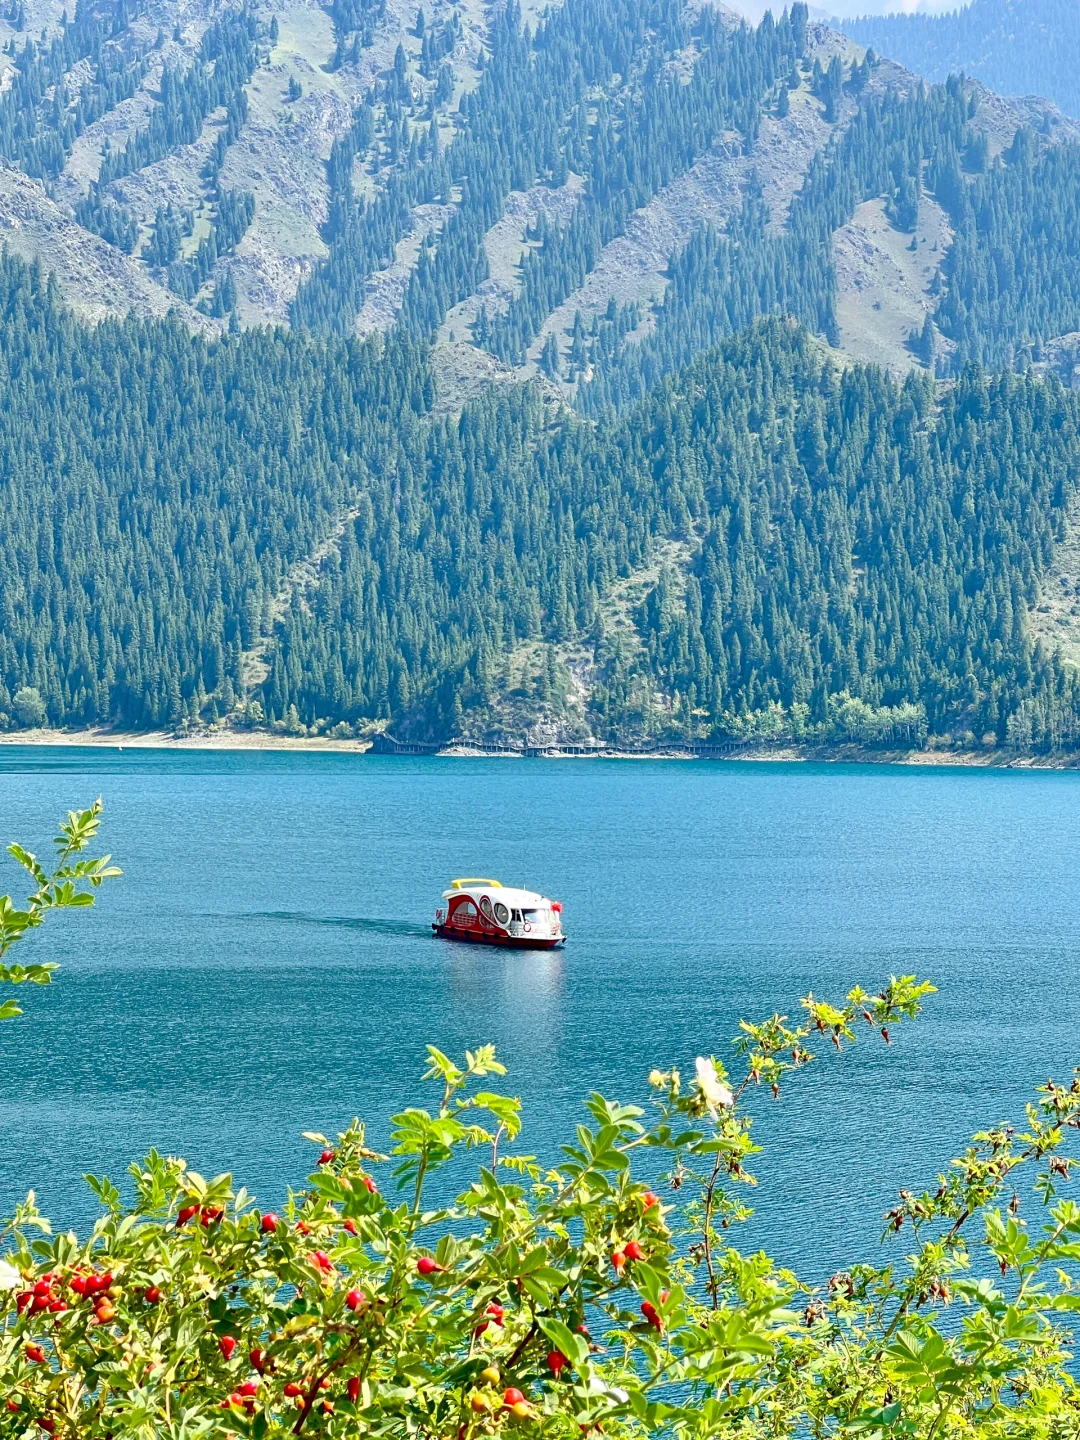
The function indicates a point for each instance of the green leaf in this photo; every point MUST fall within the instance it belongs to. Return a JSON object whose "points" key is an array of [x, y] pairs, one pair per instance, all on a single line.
{"points": [[29, 862], [575, 1347]]}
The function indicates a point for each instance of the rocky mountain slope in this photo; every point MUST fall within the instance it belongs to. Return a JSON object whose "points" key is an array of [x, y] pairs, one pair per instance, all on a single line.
{"points": [[299, 90], [298, 99]]}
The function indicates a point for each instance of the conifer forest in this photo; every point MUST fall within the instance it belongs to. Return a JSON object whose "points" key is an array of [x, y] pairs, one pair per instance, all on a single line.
{"points": [[515, 501]]}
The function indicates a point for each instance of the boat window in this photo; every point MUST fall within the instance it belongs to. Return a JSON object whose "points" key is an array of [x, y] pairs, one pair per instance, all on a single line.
{"points": [[467, 909], [535, 917], [515, 914], [502, 914]]}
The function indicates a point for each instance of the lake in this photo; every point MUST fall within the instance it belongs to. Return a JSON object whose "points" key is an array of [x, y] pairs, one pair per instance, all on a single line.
{"points": [[266, 964]]}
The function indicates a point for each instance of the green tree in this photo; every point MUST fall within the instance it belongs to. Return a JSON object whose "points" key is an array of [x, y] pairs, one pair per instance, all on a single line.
{"points": [[29, 707]]}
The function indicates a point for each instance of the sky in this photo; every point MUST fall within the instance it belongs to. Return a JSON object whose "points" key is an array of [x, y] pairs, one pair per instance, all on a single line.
{"points": [[845, 9]]}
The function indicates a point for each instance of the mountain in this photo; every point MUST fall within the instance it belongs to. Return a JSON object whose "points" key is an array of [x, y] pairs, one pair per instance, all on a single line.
{"points": [[566, 426], [305, 164], [1016, 47]]}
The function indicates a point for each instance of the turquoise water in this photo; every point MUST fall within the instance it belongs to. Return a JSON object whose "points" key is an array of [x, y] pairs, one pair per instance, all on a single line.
{"points": [[266, 967]]}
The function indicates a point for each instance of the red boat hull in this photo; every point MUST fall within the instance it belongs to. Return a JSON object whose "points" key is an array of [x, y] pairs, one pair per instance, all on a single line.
{"points": [[509, 942]]}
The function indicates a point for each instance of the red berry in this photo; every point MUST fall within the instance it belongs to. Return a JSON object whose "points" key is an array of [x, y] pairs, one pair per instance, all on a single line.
{"points": [[227, 1344], [152, 1295], [496, 1311], [269, 1223], [648, 1309], [354, 1388], [355, 1299], [648, 1200], [79, 1283], [35, 1354], [258, 1360], [556, 1360], [633, 1251], [618, 1259], [427, 1266], [372, 1188], [328, 1406], [350, 1226], [13, 1405], [209, 1215], [23, 1299], [326, 1157], [292, 1389], [513, 1396], [184, 1215], [322, 1262], [57, 1307], [249, 1387], [47, 1423], [303, 1228]]}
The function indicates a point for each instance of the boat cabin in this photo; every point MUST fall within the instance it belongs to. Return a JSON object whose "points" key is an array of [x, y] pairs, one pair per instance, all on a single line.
{"points": [[495, 914]]}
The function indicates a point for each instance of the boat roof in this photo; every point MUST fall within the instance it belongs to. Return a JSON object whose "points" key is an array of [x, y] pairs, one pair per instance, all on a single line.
{"points": [[507, 894]]}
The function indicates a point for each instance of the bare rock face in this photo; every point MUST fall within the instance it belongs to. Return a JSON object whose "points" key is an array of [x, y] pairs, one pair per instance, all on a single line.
{"points": [[884, 280], [97, 279], [301, 97]]}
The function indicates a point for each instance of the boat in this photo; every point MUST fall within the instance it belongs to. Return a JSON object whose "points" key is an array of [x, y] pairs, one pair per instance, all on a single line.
{"points": [[489, 913]]}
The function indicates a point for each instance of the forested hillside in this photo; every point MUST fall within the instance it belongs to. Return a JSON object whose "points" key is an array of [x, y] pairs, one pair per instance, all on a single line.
{"points": [[812, 534], [594, 196], [532, 198], [1017, 47], [843, 536], [681, 511]]}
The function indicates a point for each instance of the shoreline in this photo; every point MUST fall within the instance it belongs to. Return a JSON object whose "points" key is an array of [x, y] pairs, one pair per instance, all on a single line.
{"points": [[166, 740], [792, 754]]}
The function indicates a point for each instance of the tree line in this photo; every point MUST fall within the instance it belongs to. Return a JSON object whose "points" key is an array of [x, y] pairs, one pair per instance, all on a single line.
{"points": [[844, 536], [1008, 283]]}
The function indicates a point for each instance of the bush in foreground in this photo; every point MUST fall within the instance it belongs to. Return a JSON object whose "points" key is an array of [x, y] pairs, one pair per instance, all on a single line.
{"points": [[559, 1300]]}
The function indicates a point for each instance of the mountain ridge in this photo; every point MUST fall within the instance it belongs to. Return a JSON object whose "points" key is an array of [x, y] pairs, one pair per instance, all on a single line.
{"points": [[1016, 47]]}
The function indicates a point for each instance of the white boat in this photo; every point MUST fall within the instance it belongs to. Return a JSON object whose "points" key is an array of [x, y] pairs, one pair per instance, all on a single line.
{"points": [[488, 913]]}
